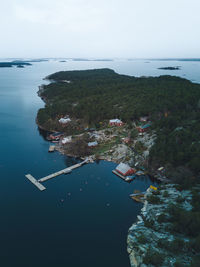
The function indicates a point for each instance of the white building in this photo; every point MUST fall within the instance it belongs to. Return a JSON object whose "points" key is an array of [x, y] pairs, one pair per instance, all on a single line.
{"points": [[66, 140], [92, 144], [64, 120]]}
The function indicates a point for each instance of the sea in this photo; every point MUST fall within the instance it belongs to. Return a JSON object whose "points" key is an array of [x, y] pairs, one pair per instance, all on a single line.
{"points": [[81, 219]]}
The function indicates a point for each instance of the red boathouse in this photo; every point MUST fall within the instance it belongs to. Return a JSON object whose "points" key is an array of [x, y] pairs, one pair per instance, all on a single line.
{"points": [[125, 169]]}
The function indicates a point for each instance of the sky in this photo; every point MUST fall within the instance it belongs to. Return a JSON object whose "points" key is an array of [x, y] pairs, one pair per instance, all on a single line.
{"points": [[103, 28]]}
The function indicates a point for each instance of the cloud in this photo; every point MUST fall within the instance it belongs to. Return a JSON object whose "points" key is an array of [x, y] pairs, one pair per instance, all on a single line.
{"points": [[71, 15], [121, 28]]}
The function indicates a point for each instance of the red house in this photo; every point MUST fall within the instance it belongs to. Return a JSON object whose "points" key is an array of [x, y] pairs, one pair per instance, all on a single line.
{"points": [[115, 122], [125, 169], [55, 136]]}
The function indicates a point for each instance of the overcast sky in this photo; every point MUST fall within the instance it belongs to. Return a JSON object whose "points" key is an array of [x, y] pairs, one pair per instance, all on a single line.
{"points": [[103, 28]]}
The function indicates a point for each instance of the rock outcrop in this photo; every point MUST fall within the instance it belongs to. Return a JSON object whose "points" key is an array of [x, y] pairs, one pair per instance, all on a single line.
{"points": [[150, 240]]}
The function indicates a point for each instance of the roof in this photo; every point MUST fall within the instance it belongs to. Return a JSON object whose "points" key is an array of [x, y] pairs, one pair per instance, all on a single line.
{"points": [[66, 140], [56, 134], [115, 121], [92, 143], [145, 126], [64, 120], [123, 168]]}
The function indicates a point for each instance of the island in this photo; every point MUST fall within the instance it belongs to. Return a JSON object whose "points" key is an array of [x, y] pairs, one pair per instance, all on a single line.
{"points": [[19, 64], [170, 68], [97, 59], [150, 123]]}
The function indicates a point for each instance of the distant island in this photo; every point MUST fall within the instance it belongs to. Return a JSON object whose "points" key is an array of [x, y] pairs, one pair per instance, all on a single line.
{"points": [[175, 59], [19, 64], [86, 59], [170, 68]]}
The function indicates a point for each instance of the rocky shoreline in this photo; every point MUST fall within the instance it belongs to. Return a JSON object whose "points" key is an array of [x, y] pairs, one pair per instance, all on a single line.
{"points": [[151, 241]]}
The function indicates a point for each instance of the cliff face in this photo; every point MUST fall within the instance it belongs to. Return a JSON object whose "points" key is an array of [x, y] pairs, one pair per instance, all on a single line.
{"points": [[151, 240]]}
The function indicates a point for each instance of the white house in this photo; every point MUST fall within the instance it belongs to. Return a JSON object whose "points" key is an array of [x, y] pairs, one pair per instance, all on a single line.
{"points": [[92, 144], [64, 120], [66, 140]]}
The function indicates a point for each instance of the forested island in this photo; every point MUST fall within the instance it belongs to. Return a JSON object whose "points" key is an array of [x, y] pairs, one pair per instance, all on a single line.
{"points": [[171, 105], [19, 64], [170, 68]]}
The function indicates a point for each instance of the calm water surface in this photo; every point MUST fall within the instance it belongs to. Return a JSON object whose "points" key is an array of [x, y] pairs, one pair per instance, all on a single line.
{"points": [[81, 219]]}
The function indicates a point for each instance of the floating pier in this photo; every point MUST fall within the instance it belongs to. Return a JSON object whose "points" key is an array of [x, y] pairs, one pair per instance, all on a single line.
{"points": [[35, 182], [38, 184], [126, 179]]}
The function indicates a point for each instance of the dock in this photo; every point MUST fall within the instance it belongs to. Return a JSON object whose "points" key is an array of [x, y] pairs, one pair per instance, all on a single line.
{"points": [[137, 194], [126, 179], [138, 197], [51, 148], [38, 182], [35, 182]]}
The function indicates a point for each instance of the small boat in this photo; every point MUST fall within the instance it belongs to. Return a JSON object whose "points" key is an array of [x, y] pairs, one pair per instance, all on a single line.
{"points": [[138, 196], [129, 178]]}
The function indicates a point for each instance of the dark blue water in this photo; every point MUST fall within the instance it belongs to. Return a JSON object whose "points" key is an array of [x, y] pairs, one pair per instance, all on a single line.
{"points": [[81, 219]]}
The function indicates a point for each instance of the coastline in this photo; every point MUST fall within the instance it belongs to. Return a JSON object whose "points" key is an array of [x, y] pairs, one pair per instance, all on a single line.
{"points": [[168, 247], [125, 154], [111, 147]]}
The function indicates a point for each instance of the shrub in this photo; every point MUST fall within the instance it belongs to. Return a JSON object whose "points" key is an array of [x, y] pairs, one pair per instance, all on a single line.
{"points": [[178, 264], [148, 223], [196, 244], [179, 199], [154, 258], [142, 239], [153, 199], [165, 194], [177, 245], [163, 243], [156, 192], [195, 261], [162, 218]]}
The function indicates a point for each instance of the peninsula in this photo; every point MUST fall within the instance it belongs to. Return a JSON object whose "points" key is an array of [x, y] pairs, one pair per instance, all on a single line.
{"points": [[152, 122]]}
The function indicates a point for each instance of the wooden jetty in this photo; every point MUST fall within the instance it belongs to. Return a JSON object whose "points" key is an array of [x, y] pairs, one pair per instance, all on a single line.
{"points": [[137, 194], [139, 197], [51, 148], [38, 184], [126, 179]]}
